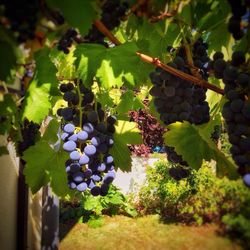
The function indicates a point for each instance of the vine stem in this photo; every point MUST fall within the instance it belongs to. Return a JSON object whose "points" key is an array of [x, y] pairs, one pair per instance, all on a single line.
{"points": [[156, 61]]}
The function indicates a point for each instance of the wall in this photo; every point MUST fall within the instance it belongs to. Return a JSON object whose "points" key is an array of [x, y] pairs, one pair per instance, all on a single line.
{"points": [[8, 198]]}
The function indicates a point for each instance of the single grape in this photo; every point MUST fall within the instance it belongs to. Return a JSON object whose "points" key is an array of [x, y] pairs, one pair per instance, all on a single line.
{"points": [[218, 55], [63, 87], [111, 128], [156, 91], [95, 191], [96, 177], [243, 80], [73, 138], [82, 136], [101, 167], [169, 91], [69, 96], [101, 127], [71, 185], [238, 57], [81, 187], [78, 177], [246, 179], [64, 136], [219, 65], [75, 167], [69, 146], [104, 189], [67, 114], [88, 173], [110, 142], [90, 150], [68, 169], [111, 119], [92, 116], [88, 98], [95, 141], [108, 159], [237, 105], [109, 177], [88, 127], [84, 159], [75, 155], [91, 184]]}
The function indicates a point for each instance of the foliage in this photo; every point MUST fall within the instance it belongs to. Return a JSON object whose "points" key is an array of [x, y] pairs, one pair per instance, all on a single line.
{"points": [[237, 225], [91, 209], [200, 198], [119, 75]]}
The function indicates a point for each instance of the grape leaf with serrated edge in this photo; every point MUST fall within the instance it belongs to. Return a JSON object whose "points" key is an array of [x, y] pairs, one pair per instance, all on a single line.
{"points": [[198, 146], [126, 133]]}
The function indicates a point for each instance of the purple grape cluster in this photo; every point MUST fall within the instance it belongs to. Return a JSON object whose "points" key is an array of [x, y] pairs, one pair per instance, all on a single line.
{"points": [[90, 165], [178, 100], [236, 111]]}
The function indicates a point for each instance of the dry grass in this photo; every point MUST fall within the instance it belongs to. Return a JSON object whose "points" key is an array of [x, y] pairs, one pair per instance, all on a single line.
{"points": [[123, 233]]}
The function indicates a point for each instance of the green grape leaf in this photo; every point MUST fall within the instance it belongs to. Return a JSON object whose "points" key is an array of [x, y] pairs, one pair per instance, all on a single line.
{"points": [[209, 16], [121, 154], [64, 63], [36, 102], [215, 43], [51, 131], [46, 70], [57, 174], [8, 110], [126, 133], [128, 102], [38, 159], [44, 165], [104, 98], [194, 144], [112, 67], [155, 42], [79, 14]]}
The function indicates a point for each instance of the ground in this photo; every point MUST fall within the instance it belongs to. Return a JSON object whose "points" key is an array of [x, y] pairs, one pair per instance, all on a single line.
{"points": [[146, 233]]}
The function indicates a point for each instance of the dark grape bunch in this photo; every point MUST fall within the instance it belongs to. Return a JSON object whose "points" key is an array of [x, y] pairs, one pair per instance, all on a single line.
{"points": [[240, 12], [90, 164], [22, 16], [112, 13], [236, 110], [178, 100]]}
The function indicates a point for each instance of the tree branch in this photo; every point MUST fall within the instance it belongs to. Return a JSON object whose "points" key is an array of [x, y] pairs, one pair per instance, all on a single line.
{"points": [[155, 61], [103, 29]]}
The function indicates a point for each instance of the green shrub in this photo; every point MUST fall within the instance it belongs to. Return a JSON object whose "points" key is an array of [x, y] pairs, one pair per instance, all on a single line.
{"points": [[200, 198], [90, 209]]}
